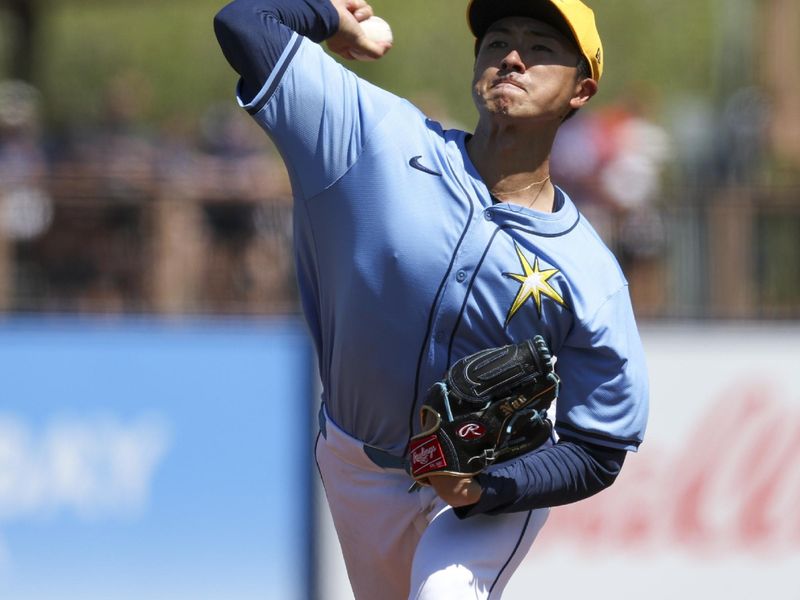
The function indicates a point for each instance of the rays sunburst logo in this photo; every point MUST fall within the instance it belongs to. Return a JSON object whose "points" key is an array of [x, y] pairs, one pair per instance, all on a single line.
{"points": [[534, 284]]}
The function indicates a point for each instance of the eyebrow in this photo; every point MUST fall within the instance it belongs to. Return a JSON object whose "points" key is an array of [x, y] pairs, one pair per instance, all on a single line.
{"points": [[537, 32]]}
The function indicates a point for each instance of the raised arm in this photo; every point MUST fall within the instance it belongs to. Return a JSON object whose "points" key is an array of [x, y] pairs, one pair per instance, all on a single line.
{"points": [[254, 34], [318, 113]]}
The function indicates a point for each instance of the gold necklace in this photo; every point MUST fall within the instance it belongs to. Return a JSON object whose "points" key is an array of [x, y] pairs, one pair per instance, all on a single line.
{"points": [[527, 187]]}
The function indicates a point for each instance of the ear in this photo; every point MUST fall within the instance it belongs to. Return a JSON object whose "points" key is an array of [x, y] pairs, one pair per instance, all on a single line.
{"points": [[584, 90]]}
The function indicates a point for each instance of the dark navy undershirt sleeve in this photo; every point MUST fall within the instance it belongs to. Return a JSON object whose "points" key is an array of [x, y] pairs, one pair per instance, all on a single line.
{"points": [[569, 471], [254, 33]]}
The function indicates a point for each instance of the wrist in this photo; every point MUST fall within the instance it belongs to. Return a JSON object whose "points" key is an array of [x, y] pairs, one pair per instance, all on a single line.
{"points": [[473, 493], [457, 491]]}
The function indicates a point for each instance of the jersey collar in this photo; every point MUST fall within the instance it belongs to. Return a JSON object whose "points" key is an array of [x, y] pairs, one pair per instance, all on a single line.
{"points": [[563, 220]]}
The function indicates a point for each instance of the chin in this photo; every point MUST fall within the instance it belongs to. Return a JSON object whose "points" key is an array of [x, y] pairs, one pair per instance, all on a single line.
{"points": [[500, 105], [509, 111]]}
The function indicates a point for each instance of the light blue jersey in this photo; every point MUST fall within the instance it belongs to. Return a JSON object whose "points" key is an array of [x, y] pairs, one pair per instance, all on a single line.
{"points": [[406, 264]]}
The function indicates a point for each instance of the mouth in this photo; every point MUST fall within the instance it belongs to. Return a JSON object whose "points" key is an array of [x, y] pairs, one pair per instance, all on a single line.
{"points": [[507, 82]]}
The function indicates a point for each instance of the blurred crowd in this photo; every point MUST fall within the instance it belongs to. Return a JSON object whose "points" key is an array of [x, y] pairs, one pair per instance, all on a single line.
{"points": [[613, 162], [121, 216]]}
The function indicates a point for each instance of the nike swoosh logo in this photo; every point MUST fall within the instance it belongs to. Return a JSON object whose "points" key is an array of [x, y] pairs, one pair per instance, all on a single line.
{"points": [[414, 162]]}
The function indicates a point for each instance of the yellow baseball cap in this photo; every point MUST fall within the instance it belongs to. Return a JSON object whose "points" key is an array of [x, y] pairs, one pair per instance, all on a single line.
{"points": [[572, 17]]}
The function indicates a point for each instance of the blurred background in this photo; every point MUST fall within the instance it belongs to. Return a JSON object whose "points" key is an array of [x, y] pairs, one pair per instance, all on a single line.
{"points": [[131, 182], [145, 244]]}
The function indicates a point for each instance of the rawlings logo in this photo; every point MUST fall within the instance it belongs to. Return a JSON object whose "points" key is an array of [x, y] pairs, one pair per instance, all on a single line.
{"points": [[426, 455], [471, 431], [422, 456]]}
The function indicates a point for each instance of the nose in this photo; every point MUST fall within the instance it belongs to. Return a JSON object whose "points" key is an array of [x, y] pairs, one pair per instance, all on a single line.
{"points": [[513, 62]]}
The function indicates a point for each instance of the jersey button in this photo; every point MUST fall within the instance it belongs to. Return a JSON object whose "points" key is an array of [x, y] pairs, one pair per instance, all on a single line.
{"points": [[488, 215], [461, 276]]}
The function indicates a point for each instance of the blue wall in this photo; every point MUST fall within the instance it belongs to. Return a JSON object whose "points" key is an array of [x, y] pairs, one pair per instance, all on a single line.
{"points": [[144, 459]]}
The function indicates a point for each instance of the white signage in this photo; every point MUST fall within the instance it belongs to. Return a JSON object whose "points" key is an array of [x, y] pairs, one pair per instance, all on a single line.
{"points": [[710, 505]]}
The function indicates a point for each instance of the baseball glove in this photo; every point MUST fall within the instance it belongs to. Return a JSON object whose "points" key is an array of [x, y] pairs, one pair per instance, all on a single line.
{"points": [[490, 407]]}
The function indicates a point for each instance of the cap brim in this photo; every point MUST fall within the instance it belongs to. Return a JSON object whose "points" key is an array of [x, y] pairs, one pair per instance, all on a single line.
{"points": [[482, 13]]}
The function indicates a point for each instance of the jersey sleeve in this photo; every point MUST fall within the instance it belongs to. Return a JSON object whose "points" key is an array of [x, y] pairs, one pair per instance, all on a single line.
{"points": [[560, 474], [319, 114], [253, 34], [604, 387]]}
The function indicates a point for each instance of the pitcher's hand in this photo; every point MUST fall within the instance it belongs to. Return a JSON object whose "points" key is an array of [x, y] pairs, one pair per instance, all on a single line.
{"points": [[350, 35], [456, 491]]}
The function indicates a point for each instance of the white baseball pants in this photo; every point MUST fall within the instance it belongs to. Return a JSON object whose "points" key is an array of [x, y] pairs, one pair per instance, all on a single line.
{"points": [[400, 545]]}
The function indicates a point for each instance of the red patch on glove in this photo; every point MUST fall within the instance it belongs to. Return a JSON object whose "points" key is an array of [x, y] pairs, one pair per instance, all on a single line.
{"points": [[426, 455]]}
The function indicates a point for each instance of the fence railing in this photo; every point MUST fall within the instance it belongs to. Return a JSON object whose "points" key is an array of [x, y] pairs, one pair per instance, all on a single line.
{"points": [[732, 254], [170, 248], [165, 247]]}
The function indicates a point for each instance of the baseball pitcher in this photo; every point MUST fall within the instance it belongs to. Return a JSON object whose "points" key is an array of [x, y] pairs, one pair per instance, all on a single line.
{"points": [[476, 343]]}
